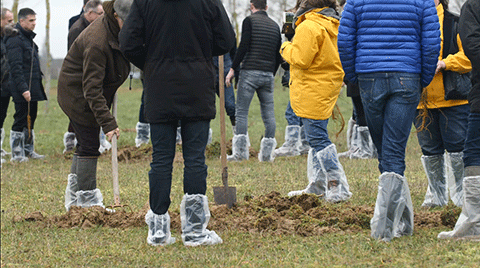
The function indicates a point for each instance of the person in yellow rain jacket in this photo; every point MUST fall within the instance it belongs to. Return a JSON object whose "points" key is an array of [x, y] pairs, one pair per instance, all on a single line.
{"points": [[316, 76], [442, 124]]}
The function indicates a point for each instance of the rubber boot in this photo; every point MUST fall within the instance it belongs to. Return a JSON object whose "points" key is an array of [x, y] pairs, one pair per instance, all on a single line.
{"points": [[316, 177], [468, 224], [194, 215], [393, 214], [104, 144], [267, 150], [29, 145], [87, 173], [455, 174], [143, 134], [337, 184], [292, 142], [239, 148], [304, 147], [17, 144], [69, 141], [158, 229], [362, 144], [437, 189]]}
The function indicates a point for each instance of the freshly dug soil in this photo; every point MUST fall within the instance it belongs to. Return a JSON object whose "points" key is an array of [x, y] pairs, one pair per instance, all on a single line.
{"points": [[304, 215]]}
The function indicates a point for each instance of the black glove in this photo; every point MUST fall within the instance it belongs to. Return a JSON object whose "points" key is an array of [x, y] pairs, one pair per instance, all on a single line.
{"points": [[286, 79]]}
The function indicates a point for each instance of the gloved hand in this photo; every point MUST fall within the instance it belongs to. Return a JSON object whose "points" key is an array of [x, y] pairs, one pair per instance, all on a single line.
{"points": [[286, 79], [289, 36]]}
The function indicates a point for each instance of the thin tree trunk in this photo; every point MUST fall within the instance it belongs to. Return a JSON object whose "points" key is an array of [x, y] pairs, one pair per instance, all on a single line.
{"points": [[48, 75], [15, 10]]}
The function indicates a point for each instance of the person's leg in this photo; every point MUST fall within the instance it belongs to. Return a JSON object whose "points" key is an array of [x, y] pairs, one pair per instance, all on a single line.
{"points": [[142, 127], [4, 102], [430, 140], [69, 140], [229, 92], [30, 135], [160, 176], [194, 209], [265, 95], [17, 136], [373, 89], [291, 117], [359, 112], [453, 125], [160, 180], [246, 89]]}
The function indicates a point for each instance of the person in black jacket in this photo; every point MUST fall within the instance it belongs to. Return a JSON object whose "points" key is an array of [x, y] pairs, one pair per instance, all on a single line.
{"points": [[26, 85], [6, 21], [468, 224], [173, 42], [259, 54]]}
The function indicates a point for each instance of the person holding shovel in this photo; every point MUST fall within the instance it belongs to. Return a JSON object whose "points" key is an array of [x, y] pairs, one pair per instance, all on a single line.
{"points": [[92, 71], [175, 52]]}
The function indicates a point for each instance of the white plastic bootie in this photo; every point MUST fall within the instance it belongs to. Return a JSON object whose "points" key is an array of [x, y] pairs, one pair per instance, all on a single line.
{"points": [[267, 150], [104, 144], [316, 177], [362, 146], [337, 184], [143, 134], [195, 214], [350, 130], [71, 191], [89, 198], [17, 144], [179, 135], [292, 142], [210, 136], [304, 146], [455, 174], [393, 215], [158, 229], [69, 141], [437, 189], [468, 224], [240, 144], [30, 145]]}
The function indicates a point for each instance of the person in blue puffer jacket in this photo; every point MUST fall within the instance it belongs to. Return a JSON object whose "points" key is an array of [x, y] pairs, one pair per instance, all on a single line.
{"points": [[391, 48]]}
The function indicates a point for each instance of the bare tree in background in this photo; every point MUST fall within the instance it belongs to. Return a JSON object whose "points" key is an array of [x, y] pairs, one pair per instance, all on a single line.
{"points": [[48, 76]]}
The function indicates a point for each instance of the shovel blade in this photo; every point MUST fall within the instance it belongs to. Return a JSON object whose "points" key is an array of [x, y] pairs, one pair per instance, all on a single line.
{"points": [[225, 195]]}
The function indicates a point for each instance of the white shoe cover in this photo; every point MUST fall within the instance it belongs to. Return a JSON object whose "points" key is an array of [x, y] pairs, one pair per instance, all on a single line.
{"points": [[240, 144], [267, 150], [337, 185], [393, 215], [436, 194], [70, 191], [455, 173], [143, 133], [468, 224], [158, 229], [316, 177], [292, 142], [195, 214]]}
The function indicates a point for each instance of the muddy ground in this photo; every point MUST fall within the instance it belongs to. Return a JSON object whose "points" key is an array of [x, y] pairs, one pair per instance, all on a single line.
{"points": [[304, 215]]}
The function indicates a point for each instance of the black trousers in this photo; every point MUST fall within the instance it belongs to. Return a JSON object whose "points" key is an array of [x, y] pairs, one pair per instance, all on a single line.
{"points": [[88, 140], [21, 112], [5, 101]]}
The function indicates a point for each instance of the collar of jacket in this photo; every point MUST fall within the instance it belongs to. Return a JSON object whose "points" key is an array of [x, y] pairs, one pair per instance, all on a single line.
{"points": [[261, 12], [28, 34], [112, 32], [326, 11], [85, 21]]}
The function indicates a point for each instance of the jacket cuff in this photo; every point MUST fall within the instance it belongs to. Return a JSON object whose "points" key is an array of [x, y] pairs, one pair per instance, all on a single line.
{"points": [[110, 126]]}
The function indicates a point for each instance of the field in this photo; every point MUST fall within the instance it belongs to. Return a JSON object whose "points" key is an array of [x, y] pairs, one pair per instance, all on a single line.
{"points": [[265, 229]]}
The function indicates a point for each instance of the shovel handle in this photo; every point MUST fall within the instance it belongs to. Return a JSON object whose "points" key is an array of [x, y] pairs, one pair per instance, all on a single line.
{"points": [[116, 187], [223, 146]]}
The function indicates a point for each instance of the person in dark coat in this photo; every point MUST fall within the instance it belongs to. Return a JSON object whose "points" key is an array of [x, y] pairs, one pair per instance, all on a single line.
{"points": [[93, 9], [6, 22], [74, 19], [26, 85], [92, 71], [468, 224], [175, 53]]}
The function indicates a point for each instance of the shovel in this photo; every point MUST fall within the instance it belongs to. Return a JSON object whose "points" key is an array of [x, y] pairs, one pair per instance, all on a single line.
{"points": [[223, 194], [116, 187]]}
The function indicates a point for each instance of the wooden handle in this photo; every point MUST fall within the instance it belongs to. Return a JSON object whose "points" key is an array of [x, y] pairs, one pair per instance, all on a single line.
{"points": [[223, 145], [116, 187]]}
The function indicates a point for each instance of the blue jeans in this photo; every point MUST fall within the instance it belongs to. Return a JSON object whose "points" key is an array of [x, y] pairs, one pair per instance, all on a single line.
{"points": [[390, 102], [262, 83], [229, 94], [316, 133], [471, 154], [194, 141], [292, 118], [445, 129]]}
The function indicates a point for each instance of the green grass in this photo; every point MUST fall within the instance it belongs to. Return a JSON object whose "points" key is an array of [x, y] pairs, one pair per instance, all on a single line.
{"points": [[40, 186]]}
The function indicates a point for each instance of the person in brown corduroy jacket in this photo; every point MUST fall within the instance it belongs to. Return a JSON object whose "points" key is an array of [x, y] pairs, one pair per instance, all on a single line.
{"points": [[91, 73]]}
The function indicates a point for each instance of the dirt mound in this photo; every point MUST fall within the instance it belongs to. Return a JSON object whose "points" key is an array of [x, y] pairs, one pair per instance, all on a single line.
{"points": [[304, 215]]}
